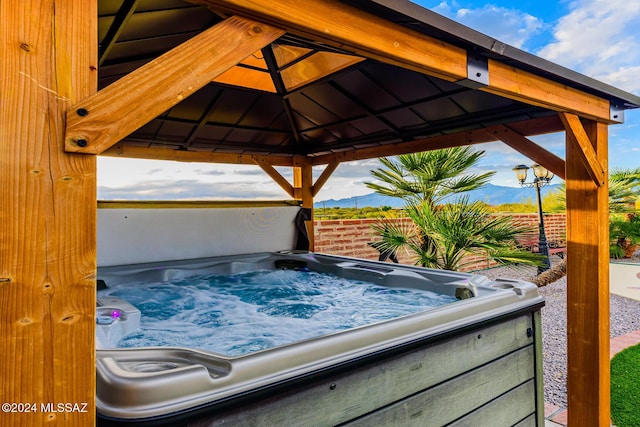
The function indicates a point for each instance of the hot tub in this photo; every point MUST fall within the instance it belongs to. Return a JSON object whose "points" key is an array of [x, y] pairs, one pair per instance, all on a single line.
{"points": [[475, 360]]}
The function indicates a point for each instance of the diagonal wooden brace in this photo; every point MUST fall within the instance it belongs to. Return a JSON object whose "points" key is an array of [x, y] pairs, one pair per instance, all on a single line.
{"points": [[103, 119], [588, 154], [326, 174], [530, 149], [275, 175]]}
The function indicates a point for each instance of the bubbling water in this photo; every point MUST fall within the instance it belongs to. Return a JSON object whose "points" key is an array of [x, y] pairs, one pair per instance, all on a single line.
{"points": [[241, 313]]}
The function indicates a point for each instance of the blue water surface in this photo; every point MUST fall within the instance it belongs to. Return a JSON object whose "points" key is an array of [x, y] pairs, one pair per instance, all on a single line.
{"points": [[245, 312]]}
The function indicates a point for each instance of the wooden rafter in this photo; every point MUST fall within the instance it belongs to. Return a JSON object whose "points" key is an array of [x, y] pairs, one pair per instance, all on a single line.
{"points": [[529, 127], [102, 120], [530, 149], [119, 21], [585, 148], [351, 29], [479, 136]]}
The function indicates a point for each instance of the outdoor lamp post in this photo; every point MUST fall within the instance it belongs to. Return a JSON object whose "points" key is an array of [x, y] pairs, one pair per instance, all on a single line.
{"points": [[542, 178]]}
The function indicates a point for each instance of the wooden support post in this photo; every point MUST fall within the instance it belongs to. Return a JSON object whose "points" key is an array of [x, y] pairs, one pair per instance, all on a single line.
{"points": [[303, 188], [48, 61], [587, 282]]}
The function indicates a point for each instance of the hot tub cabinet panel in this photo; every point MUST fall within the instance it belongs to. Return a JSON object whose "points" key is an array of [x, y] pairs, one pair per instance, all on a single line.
{"points": [[473, 362], [492, 375]]}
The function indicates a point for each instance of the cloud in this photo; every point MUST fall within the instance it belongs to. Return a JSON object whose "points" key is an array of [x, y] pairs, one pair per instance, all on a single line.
{"points": [[210, 172], [155, 171], [356, 169], [510, 26], [191, 189], [625, 77], [601, 39]]}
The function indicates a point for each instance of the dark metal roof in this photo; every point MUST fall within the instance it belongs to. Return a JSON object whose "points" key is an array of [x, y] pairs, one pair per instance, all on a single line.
{"points": [[309, 98], [428, 22]]}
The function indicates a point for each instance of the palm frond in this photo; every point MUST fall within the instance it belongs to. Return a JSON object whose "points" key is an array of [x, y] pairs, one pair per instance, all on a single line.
{"points": [[444, 234]]}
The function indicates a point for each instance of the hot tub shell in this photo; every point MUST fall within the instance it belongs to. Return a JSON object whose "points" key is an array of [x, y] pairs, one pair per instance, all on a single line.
{"points": [[473, 362]]}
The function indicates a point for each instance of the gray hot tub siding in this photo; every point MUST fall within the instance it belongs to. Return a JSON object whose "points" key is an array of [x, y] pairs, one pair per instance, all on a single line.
{"points": [[475, 362]]}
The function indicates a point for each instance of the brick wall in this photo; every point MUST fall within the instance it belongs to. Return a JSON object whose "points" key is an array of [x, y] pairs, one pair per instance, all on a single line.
{"points": [[350, 237]]}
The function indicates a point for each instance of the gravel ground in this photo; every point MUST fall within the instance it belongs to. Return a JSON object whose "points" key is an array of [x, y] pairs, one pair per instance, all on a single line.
{"points": [[625, 318]]}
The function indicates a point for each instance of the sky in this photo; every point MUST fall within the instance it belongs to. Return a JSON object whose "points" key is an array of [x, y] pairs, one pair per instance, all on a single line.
{"points": [[598, 38]]}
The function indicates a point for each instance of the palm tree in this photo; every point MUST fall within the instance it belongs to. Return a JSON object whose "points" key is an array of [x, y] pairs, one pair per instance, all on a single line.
{"points": [[453, 231], [429, 176], [624, 185], [442, 234], [623, 191]]}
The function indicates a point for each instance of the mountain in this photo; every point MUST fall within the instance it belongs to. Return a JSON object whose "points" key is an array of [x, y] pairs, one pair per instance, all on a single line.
{"points": [[490, 194]]}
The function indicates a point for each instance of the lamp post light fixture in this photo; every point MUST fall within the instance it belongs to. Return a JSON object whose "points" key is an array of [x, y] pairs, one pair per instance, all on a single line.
{"points": [[542, 178]]}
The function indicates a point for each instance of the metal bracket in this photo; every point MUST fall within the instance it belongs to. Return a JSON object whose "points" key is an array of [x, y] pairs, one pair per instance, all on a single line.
{"points": [[477, 72], [616, 113]]}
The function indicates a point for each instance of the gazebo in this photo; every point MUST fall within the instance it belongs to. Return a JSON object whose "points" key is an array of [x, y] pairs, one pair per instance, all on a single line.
{"points": [[277, 83]]}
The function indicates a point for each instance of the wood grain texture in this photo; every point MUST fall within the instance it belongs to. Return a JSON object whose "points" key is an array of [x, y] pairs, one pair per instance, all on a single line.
{"points": [[193, 204], [513, 83], [584, 149], [324, 176], [587, 284], [48, 60], [530, 149], [140, 96], [353, 30], [478, 136], [379, 389], [481, 397], [158, 153], [275, 175], [349, 28], [303, 189]]}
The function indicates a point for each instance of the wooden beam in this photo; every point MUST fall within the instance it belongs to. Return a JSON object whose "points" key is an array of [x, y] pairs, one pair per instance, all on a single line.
{"points": [[115, 29], [139, 152], [585, 150], [340, 25], [324, 176], [510, 82], [587, 284], [102, 120], [275, 175], [48, 60], [193, 204], [303, 184], [334, 22], [529, 127], [530, 149]]}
